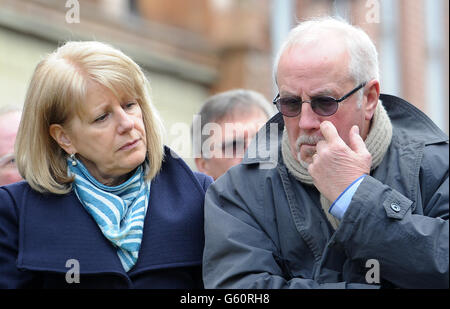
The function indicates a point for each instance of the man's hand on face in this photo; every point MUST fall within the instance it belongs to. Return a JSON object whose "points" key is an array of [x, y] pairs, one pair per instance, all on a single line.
{"points": [[335, 165]]}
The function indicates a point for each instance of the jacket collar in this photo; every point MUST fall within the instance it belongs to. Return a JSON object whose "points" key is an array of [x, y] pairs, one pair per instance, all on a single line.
{"points": [[414, 123], [57, 229], [265, 148]]}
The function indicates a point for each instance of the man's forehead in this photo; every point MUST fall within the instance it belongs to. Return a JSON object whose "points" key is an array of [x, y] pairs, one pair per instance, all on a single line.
{"points": [[316, 54], [301, 66], [243, 118], [9, 124], [243, 114], [232, 127], [7, 139]]}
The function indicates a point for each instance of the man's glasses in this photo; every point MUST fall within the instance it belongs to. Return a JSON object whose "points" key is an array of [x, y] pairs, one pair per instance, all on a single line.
{"points": [[236, 146], [321, 105]]}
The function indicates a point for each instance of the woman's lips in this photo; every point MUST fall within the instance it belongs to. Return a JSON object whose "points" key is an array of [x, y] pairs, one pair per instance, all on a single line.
{"points": [[130, 145]]}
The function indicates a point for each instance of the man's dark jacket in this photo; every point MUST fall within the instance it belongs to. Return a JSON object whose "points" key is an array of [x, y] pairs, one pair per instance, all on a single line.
{"points": [[265, 229]]}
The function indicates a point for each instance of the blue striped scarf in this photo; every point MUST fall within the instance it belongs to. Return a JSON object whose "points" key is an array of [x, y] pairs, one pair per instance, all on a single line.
{"points": [[119, 211]]}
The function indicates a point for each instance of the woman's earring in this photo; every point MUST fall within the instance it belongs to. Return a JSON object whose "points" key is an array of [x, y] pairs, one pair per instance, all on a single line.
{"points": [[74, 160]]}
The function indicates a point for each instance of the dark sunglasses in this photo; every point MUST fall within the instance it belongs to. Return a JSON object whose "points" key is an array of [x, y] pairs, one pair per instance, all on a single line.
{"points": [[321, 105]]}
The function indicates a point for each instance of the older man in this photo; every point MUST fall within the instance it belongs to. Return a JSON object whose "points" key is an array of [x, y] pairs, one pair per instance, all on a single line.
{"points": [[225, 125], [358, 196], [9, 124]]}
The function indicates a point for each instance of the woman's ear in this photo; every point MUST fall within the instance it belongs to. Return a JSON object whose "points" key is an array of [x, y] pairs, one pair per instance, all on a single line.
{"points": [[62, 138], [372, 94]]}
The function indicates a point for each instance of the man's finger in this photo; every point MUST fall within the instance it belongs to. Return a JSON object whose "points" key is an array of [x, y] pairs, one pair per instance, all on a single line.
{"points": [[329, 131], [315, 157], [320, 145], [356, 142]]}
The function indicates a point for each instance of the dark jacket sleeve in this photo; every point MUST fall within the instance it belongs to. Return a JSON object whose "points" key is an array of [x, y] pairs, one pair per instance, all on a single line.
{"points": [[409, 239], [10, 276], [238, 253]]}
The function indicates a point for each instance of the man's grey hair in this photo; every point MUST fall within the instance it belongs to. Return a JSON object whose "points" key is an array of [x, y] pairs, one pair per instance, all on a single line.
{"points": [[227, 104], [363, 64]]}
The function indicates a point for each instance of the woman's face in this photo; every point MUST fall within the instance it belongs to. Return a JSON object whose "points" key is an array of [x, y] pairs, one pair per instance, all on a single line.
{"points": [[109, 138]]}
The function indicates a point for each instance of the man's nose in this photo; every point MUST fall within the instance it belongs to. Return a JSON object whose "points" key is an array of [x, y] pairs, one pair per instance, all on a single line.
{"points": [[308, 118]]}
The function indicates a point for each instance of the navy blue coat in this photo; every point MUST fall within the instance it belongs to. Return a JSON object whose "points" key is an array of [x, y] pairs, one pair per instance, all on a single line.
{"points": [[40, 233]]}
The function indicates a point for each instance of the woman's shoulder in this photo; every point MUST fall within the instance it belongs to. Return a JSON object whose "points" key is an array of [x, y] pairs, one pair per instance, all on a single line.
{"points": [[22, 188], [19, 195], [11, 192], [11, 199], [204, 179]]}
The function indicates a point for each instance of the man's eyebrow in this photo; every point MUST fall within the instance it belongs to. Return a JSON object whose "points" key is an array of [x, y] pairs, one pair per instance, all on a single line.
{"points": [[323, 92], [288, 94], [316, 93]]}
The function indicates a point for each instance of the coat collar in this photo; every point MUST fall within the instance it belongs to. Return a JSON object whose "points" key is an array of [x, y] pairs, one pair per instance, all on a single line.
{"points": [[265, 146], [412, 122], [56, 229]]}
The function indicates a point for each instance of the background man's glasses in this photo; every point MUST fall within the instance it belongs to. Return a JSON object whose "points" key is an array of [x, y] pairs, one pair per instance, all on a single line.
{"points": [[8, 161], [236, 147], [321, 105]]}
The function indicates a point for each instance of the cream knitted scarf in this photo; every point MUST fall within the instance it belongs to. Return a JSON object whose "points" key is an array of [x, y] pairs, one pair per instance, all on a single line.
{"points": [[377, 142]]}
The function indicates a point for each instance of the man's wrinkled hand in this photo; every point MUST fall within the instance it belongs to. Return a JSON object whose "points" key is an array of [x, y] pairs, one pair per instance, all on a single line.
{"points": [[335, 164]]}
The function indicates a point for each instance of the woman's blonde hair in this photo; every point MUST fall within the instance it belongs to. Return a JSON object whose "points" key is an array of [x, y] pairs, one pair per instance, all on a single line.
{"points": [[56, 93]]}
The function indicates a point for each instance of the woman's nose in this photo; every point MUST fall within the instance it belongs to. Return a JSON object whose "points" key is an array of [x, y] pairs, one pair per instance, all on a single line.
{"points": [[126, 122]]}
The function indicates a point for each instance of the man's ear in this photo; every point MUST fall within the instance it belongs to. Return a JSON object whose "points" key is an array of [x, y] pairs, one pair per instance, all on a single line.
{"points": [[373, 94], [202, 165], [62, 138]]}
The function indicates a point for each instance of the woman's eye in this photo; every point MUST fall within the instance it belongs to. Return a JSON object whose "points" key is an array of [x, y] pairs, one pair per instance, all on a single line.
{"points": [[101, 118], [130, 105]]}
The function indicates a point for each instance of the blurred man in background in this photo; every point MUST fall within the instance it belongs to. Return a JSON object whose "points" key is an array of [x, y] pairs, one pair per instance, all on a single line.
{"points": [[9, 124], [224, 127]]}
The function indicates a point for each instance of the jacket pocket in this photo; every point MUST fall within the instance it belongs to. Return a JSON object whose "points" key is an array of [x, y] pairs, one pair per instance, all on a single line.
{"points": [[396, 205]]}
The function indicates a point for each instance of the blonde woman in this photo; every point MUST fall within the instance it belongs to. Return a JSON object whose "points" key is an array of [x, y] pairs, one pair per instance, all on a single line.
{"points": [[103, 204]]}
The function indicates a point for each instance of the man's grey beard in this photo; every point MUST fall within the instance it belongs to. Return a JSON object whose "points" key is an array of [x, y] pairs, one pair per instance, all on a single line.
{"points": [[306, 139]]}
